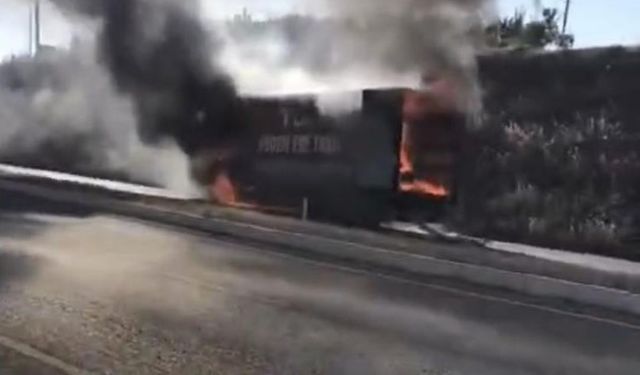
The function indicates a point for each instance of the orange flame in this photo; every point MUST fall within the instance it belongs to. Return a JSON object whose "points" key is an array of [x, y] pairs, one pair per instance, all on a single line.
{"points": [[416, 106], [417, 186], [406, 167], [222, 190], [424, 187]]}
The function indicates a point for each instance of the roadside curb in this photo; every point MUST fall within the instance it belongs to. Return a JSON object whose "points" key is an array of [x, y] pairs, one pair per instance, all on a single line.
{"points": [[304, 243]]}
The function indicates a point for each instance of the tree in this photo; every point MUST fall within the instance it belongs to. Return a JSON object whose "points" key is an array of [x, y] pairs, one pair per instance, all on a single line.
{"points": [[514, 32]]}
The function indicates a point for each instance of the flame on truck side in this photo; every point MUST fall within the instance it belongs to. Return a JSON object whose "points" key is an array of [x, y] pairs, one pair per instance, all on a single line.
{"points": [[222, 190], [418, 105]]}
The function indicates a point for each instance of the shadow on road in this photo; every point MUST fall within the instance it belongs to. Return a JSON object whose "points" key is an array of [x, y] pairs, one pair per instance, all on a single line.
{"points": [[19, 226], [19, 213], [16, 267], [21, 217], [16, 202]]}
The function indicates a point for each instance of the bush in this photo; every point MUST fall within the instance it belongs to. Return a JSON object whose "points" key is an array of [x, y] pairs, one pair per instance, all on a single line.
{"points": [[570, 184]]}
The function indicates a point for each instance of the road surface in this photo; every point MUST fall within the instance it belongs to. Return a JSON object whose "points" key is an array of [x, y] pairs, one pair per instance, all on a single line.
{"points": [[83, 293]]}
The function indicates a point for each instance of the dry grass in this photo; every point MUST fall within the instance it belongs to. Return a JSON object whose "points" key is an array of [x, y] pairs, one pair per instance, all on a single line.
{"points": [[570, 185]]}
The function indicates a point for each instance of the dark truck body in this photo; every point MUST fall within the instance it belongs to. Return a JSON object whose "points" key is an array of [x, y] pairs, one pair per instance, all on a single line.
{"points": [[344, 164]]}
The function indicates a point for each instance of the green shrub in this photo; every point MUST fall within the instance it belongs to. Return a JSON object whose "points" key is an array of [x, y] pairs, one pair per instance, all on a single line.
{"points": [[570, 185]]}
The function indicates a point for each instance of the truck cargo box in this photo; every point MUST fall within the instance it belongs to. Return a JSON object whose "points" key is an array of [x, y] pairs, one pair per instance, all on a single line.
{"points": [[338, 156]]}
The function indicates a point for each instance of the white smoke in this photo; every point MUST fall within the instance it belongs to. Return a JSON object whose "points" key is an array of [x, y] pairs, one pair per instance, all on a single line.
{"points": [[346, 45], [60, 110], [262, 65]]}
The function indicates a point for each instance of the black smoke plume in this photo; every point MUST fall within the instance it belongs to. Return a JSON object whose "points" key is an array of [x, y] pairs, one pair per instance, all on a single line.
{"points": [[160, 54]]}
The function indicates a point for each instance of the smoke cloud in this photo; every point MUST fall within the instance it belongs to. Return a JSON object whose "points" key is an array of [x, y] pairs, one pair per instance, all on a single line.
{"points": [[158, 86], [360, 43], [150, 85], [60, 111], [159, 53]]}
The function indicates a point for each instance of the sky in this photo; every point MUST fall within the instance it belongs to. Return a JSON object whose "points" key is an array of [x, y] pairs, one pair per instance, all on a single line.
{"points": [[593, 22]]}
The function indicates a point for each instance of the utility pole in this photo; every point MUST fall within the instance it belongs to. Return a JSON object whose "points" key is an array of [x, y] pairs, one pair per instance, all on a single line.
{"points": [[30, 31], [37, 27], [567, 8]]}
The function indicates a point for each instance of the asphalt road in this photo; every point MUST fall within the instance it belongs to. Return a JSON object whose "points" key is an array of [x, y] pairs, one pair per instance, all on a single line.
{"points": [[82, 292]]}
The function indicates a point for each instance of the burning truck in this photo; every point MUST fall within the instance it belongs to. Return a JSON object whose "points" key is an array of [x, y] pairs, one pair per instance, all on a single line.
{"points": [[366, 157], [358, 157]]}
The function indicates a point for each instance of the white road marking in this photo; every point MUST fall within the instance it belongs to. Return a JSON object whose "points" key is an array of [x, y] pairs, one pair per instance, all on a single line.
{"points": [[353, 270], [39, 356], [461, 292], [201, 234]]}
